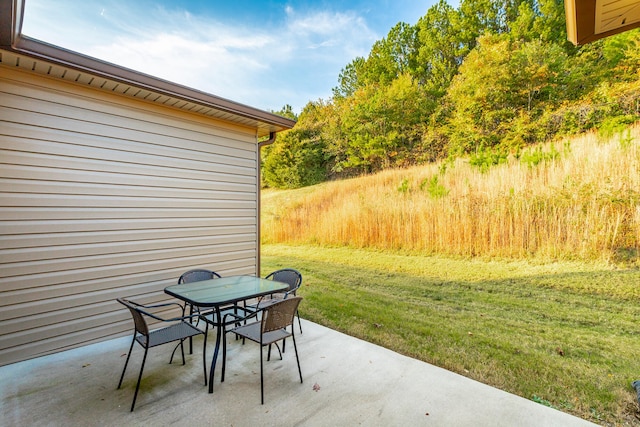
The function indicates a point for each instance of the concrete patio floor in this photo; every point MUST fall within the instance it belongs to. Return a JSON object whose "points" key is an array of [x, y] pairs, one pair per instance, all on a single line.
{"points": [[347, 382]]}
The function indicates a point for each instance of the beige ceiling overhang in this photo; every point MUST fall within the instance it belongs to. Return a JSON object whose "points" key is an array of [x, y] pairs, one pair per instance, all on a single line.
{"points": [[590, 20], [37, 56]]}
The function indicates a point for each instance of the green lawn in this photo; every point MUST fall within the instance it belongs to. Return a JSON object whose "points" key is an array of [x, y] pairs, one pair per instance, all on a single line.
{"points": [[562, 334]]}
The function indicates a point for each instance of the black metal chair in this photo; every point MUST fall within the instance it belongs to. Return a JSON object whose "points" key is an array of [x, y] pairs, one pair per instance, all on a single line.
{"points": [[179, 330], [208, 315], [271, 328], [286, 275], [196, 275]]}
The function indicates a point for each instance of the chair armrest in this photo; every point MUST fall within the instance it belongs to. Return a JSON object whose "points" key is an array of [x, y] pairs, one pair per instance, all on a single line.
{"points": [[239, 318], [165, 304], [163, 319], [292, 291], [286, 294]]}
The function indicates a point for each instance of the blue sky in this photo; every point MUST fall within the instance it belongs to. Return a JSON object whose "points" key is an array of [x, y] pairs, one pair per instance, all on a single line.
{"points": [[260, 53]]}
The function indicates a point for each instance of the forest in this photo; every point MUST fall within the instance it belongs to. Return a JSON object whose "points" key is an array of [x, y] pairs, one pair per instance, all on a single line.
{"points": [[486, 81]]}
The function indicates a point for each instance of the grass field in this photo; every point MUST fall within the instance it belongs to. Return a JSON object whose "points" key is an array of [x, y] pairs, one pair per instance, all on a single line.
{"points": [[564, 334], [524, 275], [576, 200]]}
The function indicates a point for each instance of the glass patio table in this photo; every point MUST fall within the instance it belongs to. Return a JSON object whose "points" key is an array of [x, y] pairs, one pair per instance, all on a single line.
{"points": [[217, 293]]}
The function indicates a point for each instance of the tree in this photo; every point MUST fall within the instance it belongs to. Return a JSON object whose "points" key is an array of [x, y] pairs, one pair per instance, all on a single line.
{"points": [[294, 160], [490, 77], [479, 95], [351, 78], [441, 50], [389, 58], [550, 24], [299, 157], [286, 111], [383, 124], [392, 56], [536, 73]]}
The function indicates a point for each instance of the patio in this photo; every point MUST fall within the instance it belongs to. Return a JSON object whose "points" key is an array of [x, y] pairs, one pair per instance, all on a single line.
{"points": [[346, 382]]}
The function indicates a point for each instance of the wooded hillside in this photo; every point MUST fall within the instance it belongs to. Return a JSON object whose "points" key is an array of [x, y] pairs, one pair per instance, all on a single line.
{"points": [[486, 80]]}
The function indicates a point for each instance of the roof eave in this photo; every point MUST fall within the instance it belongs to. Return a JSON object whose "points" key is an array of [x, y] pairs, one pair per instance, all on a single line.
{"points": [[12, 40]]}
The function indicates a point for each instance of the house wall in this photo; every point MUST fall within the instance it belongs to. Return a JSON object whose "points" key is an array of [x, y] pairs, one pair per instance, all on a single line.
{"points": [[103, 196]]}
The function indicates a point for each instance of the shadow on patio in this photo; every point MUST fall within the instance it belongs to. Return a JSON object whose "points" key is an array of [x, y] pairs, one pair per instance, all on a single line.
{"points": [[346, 382]]}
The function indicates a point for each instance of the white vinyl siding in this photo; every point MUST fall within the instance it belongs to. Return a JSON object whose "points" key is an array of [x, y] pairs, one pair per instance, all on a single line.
{"points": [[103, 196]]}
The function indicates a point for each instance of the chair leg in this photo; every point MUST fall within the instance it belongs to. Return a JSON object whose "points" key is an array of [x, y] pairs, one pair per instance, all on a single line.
{"points": [[135, 395], [180, 344], [284, 342], [191, 321], [295, 348], [174, 352], [191, 311], [127, 361], [261, 378], [224, 356], [204, 353], [279, 351]]}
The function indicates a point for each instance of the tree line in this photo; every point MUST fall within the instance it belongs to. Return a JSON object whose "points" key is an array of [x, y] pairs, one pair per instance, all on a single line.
{"points": [[485, 80]]}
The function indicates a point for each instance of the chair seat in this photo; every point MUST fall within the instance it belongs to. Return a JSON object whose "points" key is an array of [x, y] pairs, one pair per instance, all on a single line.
{"points": [[169, 334], [252, 332]]}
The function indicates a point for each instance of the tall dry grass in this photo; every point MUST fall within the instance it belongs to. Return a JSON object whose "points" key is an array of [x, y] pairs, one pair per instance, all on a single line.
{"points": [[583, 204]]}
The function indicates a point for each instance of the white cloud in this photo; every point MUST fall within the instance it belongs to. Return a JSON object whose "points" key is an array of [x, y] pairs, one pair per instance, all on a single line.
{"points": [[292, 63], [346, 31]]}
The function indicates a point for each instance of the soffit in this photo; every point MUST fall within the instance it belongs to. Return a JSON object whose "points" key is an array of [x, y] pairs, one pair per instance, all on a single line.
{"points": [[615, 14], [590, 20], [185, 103]]}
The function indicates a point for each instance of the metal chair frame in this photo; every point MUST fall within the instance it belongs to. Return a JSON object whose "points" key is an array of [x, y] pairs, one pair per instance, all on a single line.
{"points": [[286, 275], [271, 328], [179, 330], [208, 315], [196, 275]]}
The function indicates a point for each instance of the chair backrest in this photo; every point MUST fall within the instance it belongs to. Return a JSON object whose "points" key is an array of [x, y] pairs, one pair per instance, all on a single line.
{"points": [[138, 318], [287, 275], [280, 314], [197, 275]]}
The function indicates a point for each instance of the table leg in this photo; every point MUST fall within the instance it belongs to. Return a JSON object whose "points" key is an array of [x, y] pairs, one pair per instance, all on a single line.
{"points": [[217, 348]]}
